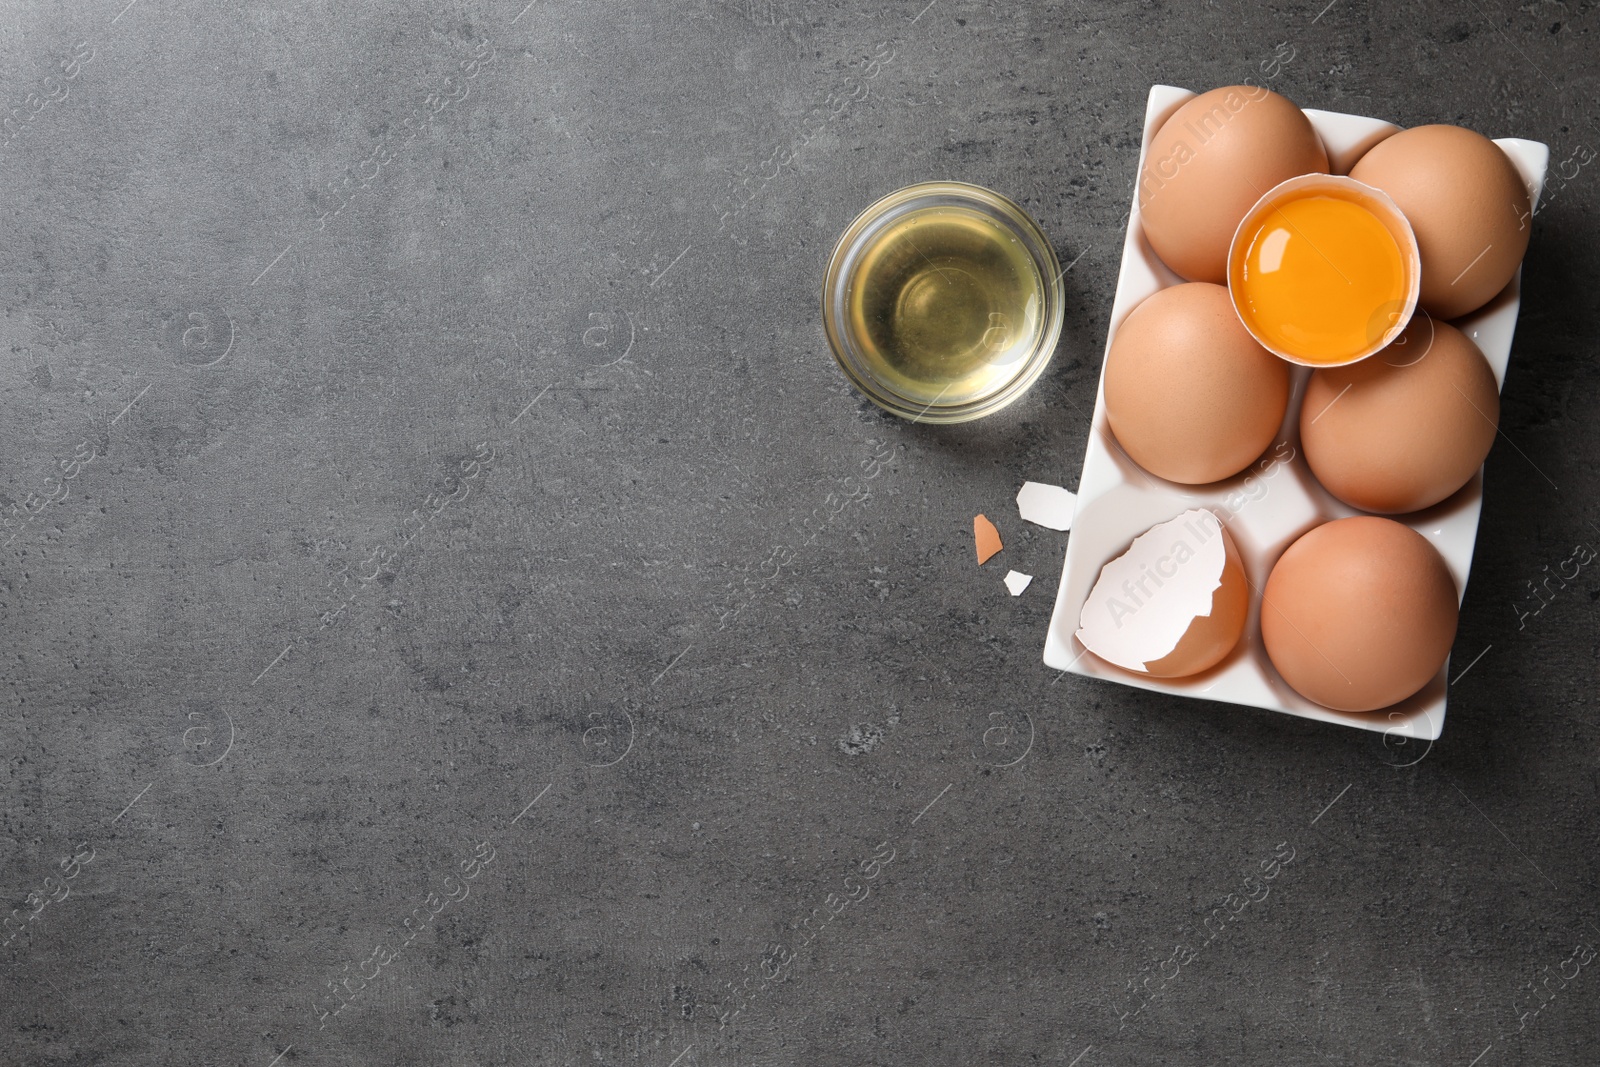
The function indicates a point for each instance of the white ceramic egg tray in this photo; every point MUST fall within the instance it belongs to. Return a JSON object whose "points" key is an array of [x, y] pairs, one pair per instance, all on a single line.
{"points": [[1275, 501]]}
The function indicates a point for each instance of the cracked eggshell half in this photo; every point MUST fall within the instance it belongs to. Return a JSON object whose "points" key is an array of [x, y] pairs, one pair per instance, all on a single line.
{"points": [[1172, 605]]}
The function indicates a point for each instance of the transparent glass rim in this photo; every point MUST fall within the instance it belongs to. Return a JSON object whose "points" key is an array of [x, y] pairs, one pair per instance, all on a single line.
{"points": [[846, 256]]}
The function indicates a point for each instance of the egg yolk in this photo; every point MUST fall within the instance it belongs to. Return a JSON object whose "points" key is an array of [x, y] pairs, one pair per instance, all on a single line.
{"points": [[1323, 279]]}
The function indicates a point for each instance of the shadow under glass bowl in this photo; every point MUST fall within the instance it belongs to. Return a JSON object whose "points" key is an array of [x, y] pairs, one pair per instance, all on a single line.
{"points": [[942, 302]]}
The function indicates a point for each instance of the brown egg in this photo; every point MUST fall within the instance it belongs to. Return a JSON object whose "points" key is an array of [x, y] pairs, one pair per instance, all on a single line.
{"points": [[1189, 393], [1209, 163], [1406, 427], [1466, 203], [1359, 613]]}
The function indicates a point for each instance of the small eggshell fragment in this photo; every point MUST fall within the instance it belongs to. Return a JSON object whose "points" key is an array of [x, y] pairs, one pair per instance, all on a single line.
{"points": [[1466, 204], [1047, 505], [1189, 393], [986, 538], [1209, 163], [1359, 613], [1172, 605], [1016, 582], [1405, 428]]}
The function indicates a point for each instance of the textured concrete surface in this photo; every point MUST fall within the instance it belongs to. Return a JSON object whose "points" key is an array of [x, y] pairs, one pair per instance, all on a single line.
{"points": [[450, 583]]}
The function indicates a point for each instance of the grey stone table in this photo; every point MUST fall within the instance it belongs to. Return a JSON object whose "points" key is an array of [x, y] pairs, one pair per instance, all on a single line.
{"points": [[455, 612]]}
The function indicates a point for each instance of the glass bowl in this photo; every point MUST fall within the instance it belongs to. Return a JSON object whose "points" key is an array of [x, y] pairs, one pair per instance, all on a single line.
{"points": [[942, 302]]}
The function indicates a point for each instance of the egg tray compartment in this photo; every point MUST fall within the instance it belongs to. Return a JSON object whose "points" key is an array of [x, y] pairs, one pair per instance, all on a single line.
{"points": [[1274, 501]]}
